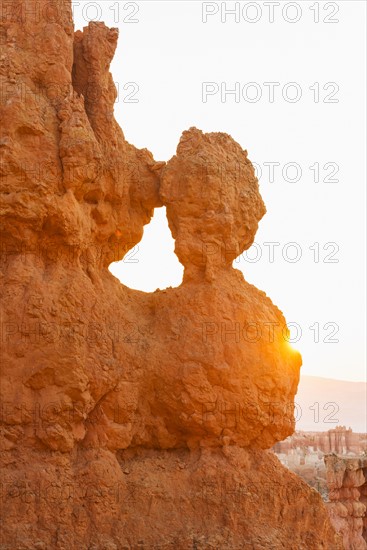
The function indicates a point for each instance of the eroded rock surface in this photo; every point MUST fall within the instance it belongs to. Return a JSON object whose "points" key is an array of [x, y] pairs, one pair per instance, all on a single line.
{"points": [[131, 420], [347, 484]]}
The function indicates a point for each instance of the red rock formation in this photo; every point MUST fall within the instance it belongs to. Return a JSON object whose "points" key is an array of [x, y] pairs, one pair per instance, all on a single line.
{"points": [[131, 420], [347, 483], [303, 453], [339, 440]]}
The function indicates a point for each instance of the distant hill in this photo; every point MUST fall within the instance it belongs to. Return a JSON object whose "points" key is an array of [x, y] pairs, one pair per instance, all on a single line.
{"points": [[333, 403]]}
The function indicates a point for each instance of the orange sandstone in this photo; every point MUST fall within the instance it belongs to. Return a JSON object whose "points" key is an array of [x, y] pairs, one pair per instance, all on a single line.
{"points": [[132, 420]]}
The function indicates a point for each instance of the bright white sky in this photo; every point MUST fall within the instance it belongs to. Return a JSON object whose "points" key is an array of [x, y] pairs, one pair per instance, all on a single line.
{"points": [[168, 53]]}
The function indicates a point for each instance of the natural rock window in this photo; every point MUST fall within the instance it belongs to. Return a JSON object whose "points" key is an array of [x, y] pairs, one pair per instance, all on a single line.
{"points": [[153, 255]]}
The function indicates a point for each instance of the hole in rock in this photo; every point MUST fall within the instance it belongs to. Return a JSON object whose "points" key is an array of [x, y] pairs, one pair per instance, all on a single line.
{"points": [[152, 263]]}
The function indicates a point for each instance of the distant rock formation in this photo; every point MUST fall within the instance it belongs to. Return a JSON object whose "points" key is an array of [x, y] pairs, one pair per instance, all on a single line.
{"points": [[303, 453], [131, 420], [347, 483], [338, 440]]}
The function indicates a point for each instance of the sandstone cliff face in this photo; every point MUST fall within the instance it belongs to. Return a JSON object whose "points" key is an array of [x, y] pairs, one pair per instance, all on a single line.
{"points": [[131, 420], [347, 484]]}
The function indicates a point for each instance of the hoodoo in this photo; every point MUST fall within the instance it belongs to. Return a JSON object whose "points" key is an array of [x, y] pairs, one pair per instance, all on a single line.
{"points": [[124, 424]]}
